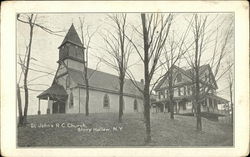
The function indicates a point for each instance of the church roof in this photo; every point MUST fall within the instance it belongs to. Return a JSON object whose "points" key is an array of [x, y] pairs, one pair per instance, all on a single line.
{"points": [[55, 92], [72, 37], [104, 81]]}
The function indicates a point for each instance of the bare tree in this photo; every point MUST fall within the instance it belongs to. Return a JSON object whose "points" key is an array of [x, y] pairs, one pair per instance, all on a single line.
{"points": [[173, 51], [202, 36], [155, 29], [85, 51], [119, 49], [230, 80], [31, 21]]}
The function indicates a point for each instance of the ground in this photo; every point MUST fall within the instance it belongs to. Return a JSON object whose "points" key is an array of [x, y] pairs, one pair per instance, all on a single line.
{"points": [[165, 132]]}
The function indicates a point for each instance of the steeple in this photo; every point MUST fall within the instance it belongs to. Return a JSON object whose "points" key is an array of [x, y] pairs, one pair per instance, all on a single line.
{"points": [[72, 37], [71, 47]]}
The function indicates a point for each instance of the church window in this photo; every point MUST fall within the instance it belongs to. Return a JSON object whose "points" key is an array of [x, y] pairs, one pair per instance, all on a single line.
{"points": [[135, 105], [106, 102], [71, 100], [67, 82]]}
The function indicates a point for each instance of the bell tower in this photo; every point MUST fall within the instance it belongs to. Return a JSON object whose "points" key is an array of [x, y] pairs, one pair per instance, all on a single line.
{"points": [[71, 48]]}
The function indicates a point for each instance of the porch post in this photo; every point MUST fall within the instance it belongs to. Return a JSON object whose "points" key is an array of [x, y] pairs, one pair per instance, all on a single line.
{"points": [[48, 109], [213, 104], [177, 107], [39, 111], [207, 104], [164, 108]]}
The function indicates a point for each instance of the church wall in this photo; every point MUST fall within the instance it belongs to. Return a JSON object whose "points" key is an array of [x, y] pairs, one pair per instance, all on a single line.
{"points": [[96, 99], [61, 70], [62, 81], [75, 108], [74, 64]]}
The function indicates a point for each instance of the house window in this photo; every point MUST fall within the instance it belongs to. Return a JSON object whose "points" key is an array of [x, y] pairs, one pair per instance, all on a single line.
{"points": [[184, 90], [166, 93], [160, 95], [106, 102], [184, 106], [71, 100], [178, 78], [135, 105], [179, 91], [67, 81], [206, 77], [176, 91]]}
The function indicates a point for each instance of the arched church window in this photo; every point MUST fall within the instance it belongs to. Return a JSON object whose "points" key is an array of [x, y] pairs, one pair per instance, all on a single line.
{"points": [[135, 105], [71, 100], [67, 81], [106, 102]]}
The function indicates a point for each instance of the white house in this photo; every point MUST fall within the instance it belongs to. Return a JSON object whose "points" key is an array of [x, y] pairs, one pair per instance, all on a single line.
{"points": [[67, 92], [183, 95]]}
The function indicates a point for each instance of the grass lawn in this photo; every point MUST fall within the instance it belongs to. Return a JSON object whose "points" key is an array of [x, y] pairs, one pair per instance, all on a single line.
{"points": [[165, 132]]}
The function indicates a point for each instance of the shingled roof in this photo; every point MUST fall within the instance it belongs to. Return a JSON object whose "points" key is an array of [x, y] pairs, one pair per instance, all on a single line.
{"points": [[56, 91], [104, 81], [188, 73], [72, 37]]}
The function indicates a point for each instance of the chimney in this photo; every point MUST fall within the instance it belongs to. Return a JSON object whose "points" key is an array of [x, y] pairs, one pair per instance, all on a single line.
{"points": [[142, 81]]}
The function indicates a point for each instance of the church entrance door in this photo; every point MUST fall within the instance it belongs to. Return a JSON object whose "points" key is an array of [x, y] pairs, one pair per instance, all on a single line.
{"points": [[58, 107]]}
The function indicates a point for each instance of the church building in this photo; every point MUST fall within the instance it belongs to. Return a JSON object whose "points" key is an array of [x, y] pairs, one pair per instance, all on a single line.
{"points": [[67, 93]]}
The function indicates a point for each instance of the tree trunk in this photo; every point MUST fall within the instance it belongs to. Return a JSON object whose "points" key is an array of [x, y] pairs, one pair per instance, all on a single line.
{"points": [[26, 92], [147, 113], [87, 94], [197, 94], [146, 94], [19, 103], [121, 101], [171, 94], [231, 99]]}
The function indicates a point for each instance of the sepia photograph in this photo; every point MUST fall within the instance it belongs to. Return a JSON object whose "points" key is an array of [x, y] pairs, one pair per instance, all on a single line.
{"points": [[125, 79]]}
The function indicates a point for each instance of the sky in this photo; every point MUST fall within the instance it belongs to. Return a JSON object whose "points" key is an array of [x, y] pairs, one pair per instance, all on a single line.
{"points": [[45, 53]]}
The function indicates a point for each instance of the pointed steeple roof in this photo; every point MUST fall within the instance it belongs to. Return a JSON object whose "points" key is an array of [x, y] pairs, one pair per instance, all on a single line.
{"points": [[72, 37]]}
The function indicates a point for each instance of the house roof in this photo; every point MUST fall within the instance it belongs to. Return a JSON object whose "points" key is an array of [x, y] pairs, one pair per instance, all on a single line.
{"points": [[55, 92], [72, 37], [104, 81], [219, 99], [188, 73]]}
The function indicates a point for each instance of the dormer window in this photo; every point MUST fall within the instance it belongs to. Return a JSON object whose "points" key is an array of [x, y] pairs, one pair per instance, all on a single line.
{"points": [[206, 77], [178, 78]]}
